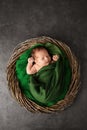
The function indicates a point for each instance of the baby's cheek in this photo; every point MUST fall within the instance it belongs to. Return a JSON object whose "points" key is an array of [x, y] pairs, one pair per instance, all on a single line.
{"points": [[49, 58]]}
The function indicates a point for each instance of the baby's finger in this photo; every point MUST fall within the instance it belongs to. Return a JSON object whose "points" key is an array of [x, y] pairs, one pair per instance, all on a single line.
{"points": [[30, 59]]}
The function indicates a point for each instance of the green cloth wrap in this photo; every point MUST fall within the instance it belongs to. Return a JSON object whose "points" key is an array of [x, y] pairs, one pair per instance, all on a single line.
{"points": [[51, 83]]}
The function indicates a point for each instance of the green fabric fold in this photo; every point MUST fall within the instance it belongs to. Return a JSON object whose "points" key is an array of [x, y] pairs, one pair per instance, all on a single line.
{"points": [[51, 83]]}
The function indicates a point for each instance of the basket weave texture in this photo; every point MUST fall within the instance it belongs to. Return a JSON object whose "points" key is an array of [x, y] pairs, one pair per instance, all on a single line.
{"points": [[13, 82]]}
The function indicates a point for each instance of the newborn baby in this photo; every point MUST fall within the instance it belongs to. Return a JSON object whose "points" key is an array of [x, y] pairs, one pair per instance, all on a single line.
{"points": [[40, 58]]}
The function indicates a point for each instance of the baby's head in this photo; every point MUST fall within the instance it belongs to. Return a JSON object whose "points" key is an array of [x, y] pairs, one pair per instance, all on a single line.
{"points": [[41, 56]]}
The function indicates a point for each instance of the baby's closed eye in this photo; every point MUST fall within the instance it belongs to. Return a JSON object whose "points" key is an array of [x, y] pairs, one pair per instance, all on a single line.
{"points": [[42, 58]]}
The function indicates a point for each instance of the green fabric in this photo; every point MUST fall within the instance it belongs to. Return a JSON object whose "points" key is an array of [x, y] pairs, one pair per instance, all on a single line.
{"points": [[51, 83]]}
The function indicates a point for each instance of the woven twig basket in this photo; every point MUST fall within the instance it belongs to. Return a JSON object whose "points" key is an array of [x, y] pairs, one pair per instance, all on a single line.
{"points": [[14, 84]]}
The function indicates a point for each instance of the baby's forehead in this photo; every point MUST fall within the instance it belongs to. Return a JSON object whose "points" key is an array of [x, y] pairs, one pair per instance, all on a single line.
{"points": [[40, 50]]}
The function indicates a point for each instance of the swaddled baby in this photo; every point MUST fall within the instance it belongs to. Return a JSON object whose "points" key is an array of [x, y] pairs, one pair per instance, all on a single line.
{"points": [[40, 58]]}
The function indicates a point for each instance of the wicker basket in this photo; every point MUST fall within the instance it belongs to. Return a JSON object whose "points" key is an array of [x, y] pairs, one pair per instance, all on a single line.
{"points": [[14, 84]]}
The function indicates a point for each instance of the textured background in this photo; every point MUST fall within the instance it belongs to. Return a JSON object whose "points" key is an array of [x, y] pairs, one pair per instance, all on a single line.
{"points": [[65, 20]]}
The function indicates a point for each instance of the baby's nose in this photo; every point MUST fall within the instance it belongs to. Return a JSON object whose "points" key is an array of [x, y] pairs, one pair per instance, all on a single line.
{"points": [[46, 58]]}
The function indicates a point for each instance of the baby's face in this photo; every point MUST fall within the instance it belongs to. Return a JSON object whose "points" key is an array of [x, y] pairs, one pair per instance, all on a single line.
{"points": [[42, 57]]}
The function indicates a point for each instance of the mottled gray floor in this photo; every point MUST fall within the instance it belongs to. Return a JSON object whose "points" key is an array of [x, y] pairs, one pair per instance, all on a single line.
{"points": [[65, 20]]}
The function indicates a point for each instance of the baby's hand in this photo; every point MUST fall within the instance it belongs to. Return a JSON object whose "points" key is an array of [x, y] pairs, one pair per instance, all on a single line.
{"points": [[30, 60], [55, 57]]}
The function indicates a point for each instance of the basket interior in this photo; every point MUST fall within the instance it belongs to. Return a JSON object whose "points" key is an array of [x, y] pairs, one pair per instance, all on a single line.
{"points": [[23, 77]]}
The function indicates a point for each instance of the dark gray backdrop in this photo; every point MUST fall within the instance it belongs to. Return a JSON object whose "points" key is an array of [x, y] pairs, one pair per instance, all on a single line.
{"points": [[65, 20]]}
